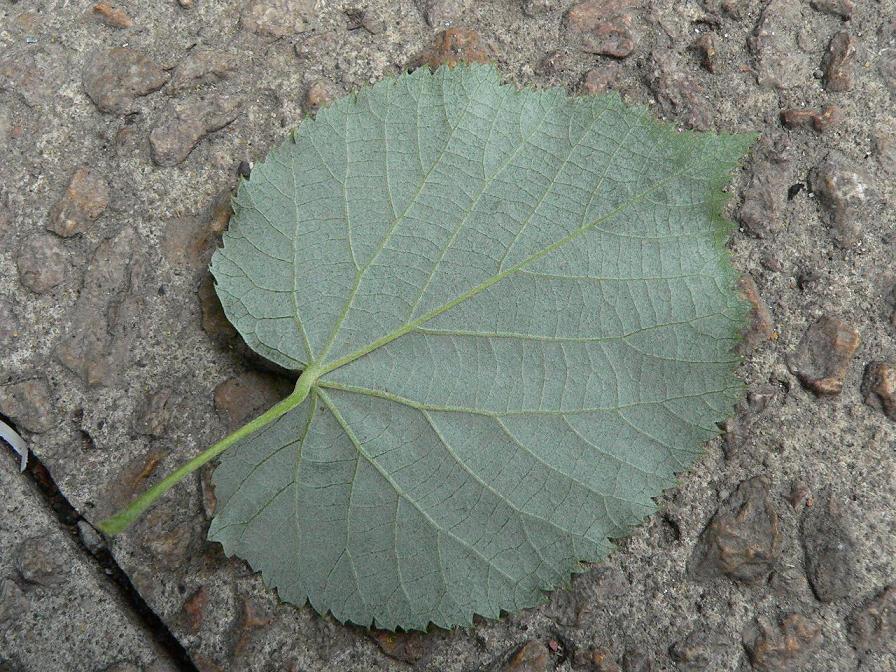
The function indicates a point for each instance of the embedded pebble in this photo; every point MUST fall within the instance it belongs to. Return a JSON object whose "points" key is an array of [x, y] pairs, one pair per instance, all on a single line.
{"points": [[539, 7], [839, 63], [818, 120], [29, 404], [532, 656], [202, 67], [172, 141], [38, 562], [42, 262], [830, 551], [453, 46], [605, 27], [872, 626], [601, 79], [112, 15], [84, 200], [764, 199], [319, 93], [822, 358], [783, 646], [879, 387], [277, 18], [761, 327], [678, 94], [841, 8], [440, 13], [844, 192], [114, 78], [781, 63], [743, 539]]}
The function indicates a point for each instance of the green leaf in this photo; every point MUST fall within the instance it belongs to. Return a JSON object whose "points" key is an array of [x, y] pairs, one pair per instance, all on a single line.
{"points": [[515, 317]]}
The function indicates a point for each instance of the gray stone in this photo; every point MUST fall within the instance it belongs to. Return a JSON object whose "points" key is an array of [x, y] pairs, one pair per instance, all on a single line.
{"points": [[115, 78], [42, 262], [440, 13], [277, 18], [28, 403], [846, 193], [872, 625], [830, 550], [764, 200], [180, 132], [678, 94]]}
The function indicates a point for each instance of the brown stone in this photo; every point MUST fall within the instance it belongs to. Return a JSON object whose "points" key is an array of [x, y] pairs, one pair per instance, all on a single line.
{"points": [[822, 358], [781, 647], [193, 610], [532, 656], [214, 320], [248, 395], [841, 8], [111, 15], [85, 199], [697, 651], [600, 79], [764, 199], [172, 141], [42, 263], [114, 78], [844, 192], [818, 120], [319, 93], [678, 95], [879, 387], [780, 63], [743, 539], [839, 63], [28, 403], [277, 18], [201, 67], [872, 626], [154, 414], [761, 327], [452, 46], [604, 27], [38, 562], [705, 46], [253, 617], [602, 660], [408, 647]]}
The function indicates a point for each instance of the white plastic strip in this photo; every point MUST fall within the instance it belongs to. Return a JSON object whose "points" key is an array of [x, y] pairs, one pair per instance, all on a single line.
{"points": [[16, 442]]}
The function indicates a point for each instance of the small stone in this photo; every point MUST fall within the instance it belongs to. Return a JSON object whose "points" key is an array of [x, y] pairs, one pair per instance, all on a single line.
{"points": [[539, 7], [408, 647], [601, 79], [113, 78], [780, 63], [677, 93], [705, 46], [818, 120], [85, 199], [186, 4], [636, 661], [839, 63], [452, 46], [315, 44], [14, 604], [91, 539], [254, 617], [781, 648], [42, 263], [799, 495], [29, 404], [173, 140], [155, 413], [440, 13], [872, 626], [602, 660], [111, 15], [358, 17], [841, 8], [823, 356], [531, 656], [829, 550], [39, 562], [319, 93], [202, 67], [884, 150], [759, 398], [188, 242], [604, 27], [248, 395], [764, 200], [277, 18], [879, 387], [193, 610], [845, 193], [696, 652], [761, 327], [743, 539]]}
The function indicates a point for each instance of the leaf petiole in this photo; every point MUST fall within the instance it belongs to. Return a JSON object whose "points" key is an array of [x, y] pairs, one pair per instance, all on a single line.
{"points": [[122, 519]]}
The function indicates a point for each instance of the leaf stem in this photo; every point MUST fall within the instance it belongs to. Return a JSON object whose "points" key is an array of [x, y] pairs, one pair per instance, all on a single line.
{"points": [[123, 518]]}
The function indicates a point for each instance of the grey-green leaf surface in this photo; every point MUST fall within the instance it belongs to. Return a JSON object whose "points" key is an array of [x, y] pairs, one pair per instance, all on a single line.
{"points": [[516, 316]]}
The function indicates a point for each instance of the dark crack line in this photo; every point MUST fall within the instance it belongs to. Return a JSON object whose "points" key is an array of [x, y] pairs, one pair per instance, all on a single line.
{"points": [[102, 560]]}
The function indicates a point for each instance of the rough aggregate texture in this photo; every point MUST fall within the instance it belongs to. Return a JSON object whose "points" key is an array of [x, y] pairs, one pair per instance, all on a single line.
{"points": [[122, 326]]}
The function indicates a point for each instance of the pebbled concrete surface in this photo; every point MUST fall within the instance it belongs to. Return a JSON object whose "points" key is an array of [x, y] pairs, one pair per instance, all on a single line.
{"points": [[112, 354]]}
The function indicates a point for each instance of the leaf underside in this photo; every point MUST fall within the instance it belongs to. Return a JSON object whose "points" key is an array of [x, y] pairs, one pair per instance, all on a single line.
{"points": [[520, 315]]}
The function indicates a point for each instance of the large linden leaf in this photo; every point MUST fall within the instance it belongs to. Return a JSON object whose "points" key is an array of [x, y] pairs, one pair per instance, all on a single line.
{"points": [[515, 317]]}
